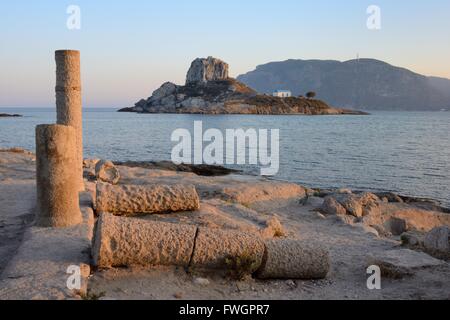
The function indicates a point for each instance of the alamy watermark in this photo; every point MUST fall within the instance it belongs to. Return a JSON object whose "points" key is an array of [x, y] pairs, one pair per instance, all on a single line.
{"points": [[74, 280], [374, 280], [74, 19], [237, 146], [374, 19]]}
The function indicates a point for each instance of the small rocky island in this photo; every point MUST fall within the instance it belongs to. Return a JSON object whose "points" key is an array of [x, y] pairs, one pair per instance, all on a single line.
{"points": [[210, 90], [6, 115]]}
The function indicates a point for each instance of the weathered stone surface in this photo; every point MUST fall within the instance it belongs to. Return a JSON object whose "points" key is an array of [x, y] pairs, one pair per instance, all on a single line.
{"points": [[69, 102], [344, 191], [214, 246], [165, 90], [347, 219], [372, 209], [40, 268], [416, 219], [106, 171], [403, 262], [396, 226], [57, 181], [391, 197], [262, 192], [129, 199], [352, 204], [204, 70], [90, 163], [357, 205], [121, 241], [412, 238], [315, 202], [367, 229], [273, 228], [331, 206], [438, 239], [293, 259]]}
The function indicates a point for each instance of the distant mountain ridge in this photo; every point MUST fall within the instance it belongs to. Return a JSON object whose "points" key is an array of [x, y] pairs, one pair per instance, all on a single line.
{"points": [[366, 84]]}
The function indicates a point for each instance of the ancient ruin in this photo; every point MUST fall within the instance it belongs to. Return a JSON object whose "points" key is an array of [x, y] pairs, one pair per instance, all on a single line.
{"points": [[165, 224], [69, 102], [129, 199], [57, 182]]}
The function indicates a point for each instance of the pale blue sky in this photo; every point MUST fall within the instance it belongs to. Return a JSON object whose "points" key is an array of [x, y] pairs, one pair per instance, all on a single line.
{"points": [[131, 47]]}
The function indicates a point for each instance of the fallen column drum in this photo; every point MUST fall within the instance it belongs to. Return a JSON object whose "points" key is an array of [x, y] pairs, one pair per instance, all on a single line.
{"points": [[130, 199], [56, 179], [293, 259]]}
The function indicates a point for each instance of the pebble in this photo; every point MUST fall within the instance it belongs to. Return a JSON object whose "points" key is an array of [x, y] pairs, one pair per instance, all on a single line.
{"points": [[201, 281], [242, 286], [291, 283], [321, 216], [178, 295]]}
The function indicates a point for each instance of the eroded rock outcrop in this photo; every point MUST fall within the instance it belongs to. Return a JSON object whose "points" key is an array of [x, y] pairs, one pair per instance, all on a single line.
{"points": [[371, 213], [204, 70], [356, 205], [438, 240]]}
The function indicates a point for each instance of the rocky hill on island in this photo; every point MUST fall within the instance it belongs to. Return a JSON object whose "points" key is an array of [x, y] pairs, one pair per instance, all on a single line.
{"points": [[365, 84], [210, 90]]}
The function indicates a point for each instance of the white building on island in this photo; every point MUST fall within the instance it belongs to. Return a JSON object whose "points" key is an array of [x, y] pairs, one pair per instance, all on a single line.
{"points": [[282, 94]]}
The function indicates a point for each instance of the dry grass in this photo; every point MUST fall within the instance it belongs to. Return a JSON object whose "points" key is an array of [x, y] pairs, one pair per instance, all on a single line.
{"points": [[241, 266]]}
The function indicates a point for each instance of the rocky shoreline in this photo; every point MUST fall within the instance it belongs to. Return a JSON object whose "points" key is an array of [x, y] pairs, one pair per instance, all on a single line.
{"points": [[209, 90], [216, 170]]}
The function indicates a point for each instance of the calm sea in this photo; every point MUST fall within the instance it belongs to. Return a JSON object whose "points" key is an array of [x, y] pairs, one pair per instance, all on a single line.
{"points": [[404, 152]]}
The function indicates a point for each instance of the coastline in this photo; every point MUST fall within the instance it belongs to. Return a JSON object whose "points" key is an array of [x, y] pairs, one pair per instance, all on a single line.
{"points": [[216, 170]]}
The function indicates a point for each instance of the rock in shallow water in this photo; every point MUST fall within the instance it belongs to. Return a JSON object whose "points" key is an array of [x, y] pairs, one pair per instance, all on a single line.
{"points": [[6, 115]]}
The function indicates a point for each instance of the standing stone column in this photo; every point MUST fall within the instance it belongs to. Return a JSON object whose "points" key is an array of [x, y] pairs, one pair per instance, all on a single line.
{"points": [[68, 101], [56, 179]]}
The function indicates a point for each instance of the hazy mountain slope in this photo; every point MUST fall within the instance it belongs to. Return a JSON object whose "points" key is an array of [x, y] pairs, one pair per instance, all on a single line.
{"points": [[361, 84], [442, 85]]}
